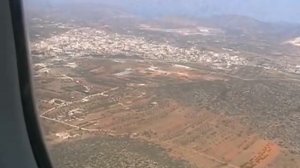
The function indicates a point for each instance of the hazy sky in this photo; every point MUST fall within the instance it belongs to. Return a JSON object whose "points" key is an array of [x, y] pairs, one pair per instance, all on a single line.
{"points": [[267, 10]]}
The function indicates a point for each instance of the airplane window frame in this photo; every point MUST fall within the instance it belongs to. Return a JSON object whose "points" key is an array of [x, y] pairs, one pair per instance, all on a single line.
{"points": [[25, 83], [30, 110]]}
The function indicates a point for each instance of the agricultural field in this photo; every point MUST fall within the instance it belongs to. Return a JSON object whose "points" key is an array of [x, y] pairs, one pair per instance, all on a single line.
{"points": [[183, 109]]}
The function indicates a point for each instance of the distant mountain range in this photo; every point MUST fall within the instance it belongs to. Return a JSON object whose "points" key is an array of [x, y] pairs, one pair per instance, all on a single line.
{"points": [[265, 10], [203, 13]]}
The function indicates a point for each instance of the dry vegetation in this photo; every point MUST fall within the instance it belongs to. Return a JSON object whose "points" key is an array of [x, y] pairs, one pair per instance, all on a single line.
{"points": [[188, 112]]}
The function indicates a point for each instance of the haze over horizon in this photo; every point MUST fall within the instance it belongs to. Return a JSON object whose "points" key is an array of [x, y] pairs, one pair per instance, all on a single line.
{"points": [[264, 10]]}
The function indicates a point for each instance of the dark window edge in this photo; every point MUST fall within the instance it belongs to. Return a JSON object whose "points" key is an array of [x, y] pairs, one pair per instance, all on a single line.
{"points": [[25, 84]]}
